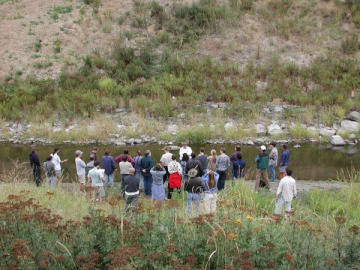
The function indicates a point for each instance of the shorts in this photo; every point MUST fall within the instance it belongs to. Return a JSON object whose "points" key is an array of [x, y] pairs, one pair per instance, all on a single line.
{"points": [[81, 179], [58, 173], [99, 192], [282, 169]]}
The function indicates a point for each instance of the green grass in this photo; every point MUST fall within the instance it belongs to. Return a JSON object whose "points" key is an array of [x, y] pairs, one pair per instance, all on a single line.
{"points": [[75, 232]]}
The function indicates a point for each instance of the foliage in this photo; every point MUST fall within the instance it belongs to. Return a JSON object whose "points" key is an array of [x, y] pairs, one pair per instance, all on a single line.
{"points": [[242, 235]]}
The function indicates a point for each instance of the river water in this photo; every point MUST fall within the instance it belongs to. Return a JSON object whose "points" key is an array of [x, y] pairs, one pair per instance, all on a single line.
{"points": [[309, 162]]}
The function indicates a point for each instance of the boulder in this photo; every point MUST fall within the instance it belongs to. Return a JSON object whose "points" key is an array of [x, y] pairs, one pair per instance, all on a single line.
{"points": [[138, 141], [352, 136], [354, 116], [260, 129], [278, 109], [297, 146], [173, 129], [274, 129], [327, 132], [337, 140], [349, 126], [228, 126], [130, 141]]}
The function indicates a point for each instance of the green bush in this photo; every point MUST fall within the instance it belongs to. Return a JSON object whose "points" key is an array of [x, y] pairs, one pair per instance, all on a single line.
{"points": [[107, 85]]}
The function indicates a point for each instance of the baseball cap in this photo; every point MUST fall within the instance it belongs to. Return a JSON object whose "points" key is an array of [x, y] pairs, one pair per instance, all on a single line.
{"points": [[78, 152], [263, 147]]}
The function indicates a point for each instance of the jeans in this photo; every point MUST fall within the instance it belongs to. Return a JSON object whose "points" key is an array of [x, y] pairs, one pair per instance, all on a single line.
{"points": [[222, 178], [51, 181], [210, 202], [109, 180], [235, 172], [272, 173], [193, 198], [141, 179], [37, 175], [131, 202], [147, 184], [279, 205], [123, 184]]}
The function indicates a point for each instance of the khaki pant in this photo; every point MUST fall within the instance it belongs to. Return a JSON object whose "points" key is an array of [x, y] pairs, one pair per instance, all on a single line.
{"points": [[261, 174]]}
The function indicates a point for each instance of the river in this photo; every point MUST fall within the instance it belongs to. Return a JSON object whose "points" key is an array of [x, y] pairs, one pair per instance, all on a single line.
{"points": [[309, 162]]}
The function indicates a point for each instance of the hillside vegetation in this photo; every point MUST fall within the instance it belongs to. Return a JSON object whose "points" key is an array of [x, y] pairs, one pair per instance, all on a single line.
{"points": [[76, 58]]}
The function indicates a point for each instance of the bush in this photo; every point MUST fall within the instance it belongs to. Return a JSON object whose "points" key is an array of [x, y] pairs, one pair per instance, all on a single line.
{"points": [[107, 85], [350, 44]]}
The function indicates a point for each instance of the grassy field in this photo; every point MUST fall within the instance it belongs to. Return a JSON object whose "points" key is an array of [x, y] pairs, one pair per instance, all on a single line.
{"points": [[64, 230]]}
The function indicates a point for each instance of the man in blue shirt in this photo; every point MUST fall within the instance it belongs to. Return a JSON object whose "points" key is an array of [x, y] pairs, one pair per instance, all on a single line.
{"points": [[109, 166], [284, 161]]}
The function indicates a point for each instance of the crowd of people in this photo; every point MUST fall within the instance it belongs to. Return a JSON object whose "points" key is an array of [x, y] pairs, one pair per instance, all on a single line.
{"points": [[201, 176]]}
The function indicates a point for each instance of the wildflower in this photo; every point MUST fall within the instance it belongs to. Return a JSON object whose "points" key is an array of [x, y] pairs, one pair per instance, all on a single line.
{"points": [[59, 258], [288, 257], [340, 220], [354, 229], [238, 221], [43, 264], [247, 265], [271, 264], [19, 249], [231, 236], [330, 262], [256, 229], [113, 201], [249, 217], [246, 254]]}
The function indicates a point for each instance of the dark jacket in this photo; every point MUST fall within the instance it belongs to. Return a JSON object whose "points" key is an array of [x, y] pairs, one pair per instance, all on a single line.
{"points": [[203, 161], [192, 164], [108, 164], [262, 161], [146, 163], [93, 154], [34, 160], [234, 156], [131, 183], [194, 185]]}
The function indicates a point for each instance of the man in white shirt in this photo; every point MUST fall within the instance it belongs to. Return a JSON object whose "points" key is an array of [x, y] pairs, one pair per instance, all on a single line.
{"points": [[57, 162], [165, 159], [184, 149], [80, 169], [285, 194]]}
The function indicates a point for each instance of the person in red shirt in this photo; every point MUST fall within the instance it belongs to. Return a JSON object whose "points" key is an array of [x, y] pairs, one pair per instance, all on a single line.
{"points": [[118, 159]]}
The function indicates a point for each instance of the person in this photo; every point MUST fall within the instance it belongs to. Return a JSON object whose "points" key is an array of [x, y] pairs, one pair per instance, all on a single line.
{"points": [[93, 153], [125, 166], [211, 161], [183, 163], [57, 162], [35, 166], [273, 161], [138, 170], [50, 174], [233, 158], [165, 160], [90, 164], [175, 171], [210, 180], [262, 162], [184, 149], [97, 178], [284, 161], [118, 159], [193, 163], [238, 167], [222, 166], [108, 163], [131, 190], [80, 170], [286, 192], [203, 160], [146, 163], [158, 190], [194, 187]]}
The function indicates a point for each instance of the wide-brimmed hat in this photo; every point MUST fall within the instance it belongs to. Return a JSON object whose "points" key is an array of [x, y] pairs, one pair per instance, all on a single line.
{"points": [[193, 173]]}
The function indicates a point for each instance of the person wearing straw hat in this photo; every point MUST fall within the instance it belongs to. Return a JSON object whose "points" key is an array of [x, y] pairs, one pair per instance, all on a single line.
{"points": [[262, 163], [194, 187]]}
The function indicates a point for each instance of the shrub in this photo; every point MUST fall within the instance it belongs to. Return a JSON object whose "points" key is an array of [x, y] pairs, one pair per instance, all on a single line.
{"points": [[63, 9], [350, 44], [246, 4], [107, 85]]}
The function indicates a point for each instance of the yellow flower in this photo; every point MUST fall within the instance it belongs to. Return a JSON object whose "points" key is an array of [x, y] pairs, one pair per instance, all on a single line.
{"points": [[238, 221], [249, 217]]}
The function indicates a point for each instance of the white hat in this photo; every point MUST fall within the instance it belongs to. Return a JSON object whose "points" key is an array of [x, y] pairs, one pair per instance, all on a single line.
{"points": [[263, 148], [78, 152]]}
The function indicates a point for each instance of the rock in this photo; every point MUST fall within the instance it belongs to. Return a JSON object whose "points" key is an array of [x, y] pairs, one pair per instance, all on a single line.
{"points": [[214, 106], [337, 140], [151, 29], [120, 127], [137, 141], [297, 146], [266, 110], [352, 136], [173, 129], [312, 130], [130, 141], [228, 126], [249, 142], [260, 129], [57, 129], [274, 129], [174, 147], [278, 109], [354, 116], [327, 132], [349, 126]]}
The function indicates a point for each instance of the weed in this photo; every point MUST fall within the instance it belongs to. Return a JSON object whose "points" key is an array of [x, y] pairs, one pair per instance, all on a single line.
{"points": [[350, 44], [38, 46], [63, 9]]}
